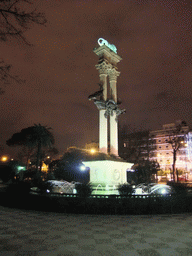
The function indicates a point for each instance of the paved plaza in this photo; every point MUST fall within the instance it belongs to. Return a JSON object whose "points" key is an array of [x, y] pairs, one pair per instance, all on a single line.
{"points": [[33, 233]]}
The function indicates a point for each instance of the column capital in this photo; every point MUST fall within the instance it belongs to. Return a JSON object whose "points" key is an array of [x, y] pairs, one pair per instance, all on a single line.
{"points": [[103, 67], [113, 74]]}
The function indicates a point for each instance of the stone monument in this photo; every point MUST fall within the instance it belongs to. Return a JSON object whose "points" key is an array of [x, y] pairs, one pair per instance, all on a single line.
{"points": [[106, 98], [105, 175]]}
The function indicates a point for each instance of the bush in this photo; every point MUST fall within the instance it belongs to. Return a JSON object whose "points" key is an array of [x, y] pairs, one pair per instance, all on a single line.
{"points": [[19, 187], [83, 190], [37, 179], [50, 176], [179, 188], [44, 186], [125, 189], [6, 173]]}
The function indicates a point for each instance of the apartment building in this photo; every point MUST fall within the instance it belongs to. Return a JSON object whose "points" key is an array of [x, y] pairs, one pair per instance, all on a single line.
{"points": [[163, 151]]}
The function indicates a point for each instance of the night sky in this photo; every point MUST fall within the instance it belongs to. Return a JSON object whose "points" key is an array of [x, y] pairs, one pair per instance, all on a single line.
{"points": [[154, 38]]}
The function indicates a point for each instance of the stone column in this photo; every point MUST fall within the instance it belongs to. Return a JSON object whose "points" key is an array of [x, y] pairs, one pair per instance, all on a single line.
{"points": [[113, 135], [103, 128], [103, 80], [103, 137], [113, 117], [113, 74]]}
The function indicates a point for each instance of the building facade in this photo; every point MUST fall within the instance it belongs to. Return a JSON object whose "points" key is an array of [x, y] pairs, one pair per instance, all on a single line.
{"points": [[163, 152]]}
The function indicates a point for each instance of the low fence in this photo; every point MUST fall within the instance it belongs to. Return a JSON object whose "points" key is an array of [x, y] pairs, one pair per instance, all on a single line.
{"points": [[99, 204]]}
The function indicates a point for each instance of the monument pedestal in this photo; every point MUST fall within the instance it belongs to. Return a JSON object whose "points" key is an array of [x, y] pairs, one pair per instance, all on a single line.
{"points": [[106, 175]]}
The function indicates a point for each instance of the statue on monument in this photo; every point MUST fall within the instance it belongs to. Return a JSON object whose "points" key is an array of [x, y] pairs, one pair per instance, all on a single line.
{"points": [[97, 93], [109, 105]]}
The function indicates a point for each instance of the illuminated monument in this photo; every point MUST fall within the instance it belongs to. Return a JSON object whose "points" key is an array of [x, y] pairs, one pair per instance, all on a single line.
{"points": [[106, 98], [107, 174]]}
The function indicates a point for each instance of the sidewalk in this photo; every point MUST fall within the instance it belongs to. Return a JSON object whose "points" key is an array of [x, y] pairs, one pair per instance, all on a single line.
{"points": [[33, 233]]}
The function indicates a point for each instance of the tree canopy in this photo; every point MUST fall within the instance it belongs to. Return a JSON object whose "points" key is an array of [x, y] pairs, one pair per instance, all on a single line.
{"points": [[145, 171], [135, 146], [35, 137]]}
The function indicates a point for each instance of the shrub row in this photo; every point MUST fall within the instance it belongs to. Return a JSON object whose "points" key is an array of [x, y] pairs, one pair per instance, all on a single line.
{"points": [[91, 205]]}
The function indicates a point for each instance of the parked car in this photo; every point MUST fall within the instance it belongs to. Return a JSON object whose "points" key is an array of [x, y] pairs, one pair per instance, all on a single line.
{"points": [[183, 178]]}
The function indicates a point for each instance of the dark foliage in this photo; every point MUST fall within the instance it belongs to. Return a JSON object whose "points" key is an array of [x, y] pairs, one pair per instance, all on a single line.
{"points": [[36, 138], [145, 170], [6, 173], [179, 188], [18, 188], [69, 174], [125, 189], [50, 176], [111, 205], [37, 179], [83, 190], [139, 145], [45, 187]]}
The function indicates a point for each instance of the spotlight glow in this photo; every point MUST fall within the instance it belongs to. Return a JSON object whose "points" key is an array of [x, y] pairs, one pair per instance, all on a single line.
{"points": [[82, 168], [163, 191], [92, 151]]}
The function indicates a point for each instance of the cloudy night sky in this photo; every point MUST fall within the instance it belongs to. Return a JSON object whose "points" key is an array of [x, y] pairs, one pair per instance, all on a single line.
{"points": [[154, 39]]}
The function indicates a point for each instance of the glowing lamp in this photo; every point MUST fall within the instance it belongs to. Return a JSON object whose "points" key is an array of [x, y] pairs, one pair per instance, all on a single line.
{"points": [[4, 158], [92, 151], [82, 168]]}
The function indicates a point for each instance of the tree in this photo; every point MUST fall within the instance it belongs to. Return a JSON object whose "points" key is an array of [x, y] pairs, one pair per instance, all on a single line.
{"points": [[16, 17], [36, 137], [49, 154], [145, 170], [69, 166], [25, 140], [26, 154], [135, 146], [177, 139]]}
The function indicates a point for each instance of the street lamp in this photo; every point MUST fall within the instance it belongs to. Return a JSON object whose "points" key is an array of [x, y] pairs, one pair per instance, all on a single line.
{"points": [[4, 158], [92, 151]]}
